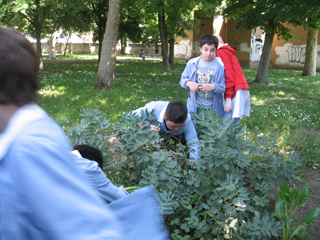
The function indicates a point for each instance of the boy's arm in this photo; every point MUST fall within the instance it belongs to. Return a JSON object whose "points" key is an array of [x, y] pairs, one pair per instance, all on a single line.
{"points": [[229, 75], [185, 80], [185, 76], [105, 188], [191, 136], [148, 108], [220, 81]]}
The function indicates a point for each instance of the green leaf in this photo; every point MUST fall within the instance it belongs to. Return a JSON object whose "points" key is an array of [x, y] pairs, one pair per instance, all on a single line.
{"points": [[311, 216], [284, 193], [297, 230], [303, 195]]}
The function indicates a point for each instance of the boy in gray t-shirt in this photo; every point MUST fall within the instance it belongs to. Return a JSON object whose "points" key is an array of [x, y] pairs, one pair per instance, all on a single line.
{"points": [[204, 76]]}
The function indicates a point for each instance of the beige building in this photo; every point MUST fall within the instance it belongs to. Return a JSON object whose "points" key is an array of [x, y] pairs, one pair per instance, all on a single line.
{"points": [[284, 54]]}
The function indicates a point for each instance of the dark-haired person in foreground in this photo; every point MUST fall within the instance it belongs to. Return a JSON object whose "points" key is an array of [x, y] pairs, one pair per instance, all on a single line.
{"points": [[90, 161], [43, 194], [173, 118]]}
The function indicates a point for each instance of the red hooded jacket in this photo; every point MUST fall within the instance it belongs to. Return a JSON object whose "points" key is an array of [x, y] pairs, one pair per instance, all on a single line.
{"points": [[235, 78]]}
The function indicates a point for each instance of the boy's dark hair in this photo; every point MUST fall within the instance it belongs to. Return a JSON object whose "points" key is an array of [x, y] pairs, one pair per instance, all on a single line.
{"points": [[90, 153], [19, 67], [176, 111], [209, 39]]}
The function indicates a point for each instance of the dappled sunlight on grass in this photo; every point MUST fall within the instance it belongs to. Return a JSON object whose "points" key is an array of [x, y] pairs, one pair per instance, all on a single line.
{"points": [[52, 91]]}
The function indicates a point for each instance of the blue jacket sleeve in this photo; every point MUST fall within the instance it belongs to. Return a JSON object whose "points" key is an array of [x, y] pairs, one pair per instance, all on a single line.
{"points": [[99, 181], [140, 214], [191, 137], [220, 80]]}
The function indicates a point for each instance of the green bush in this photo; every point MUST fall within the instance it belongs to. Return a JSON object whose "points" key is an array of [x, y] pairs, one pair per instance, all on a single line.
{"points": [[224, 196]]}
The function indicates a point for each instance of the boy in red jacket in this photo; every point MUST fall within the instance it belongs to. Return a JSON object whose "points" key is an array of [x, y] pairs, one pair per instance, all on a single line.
{"points": [[237, 94]]}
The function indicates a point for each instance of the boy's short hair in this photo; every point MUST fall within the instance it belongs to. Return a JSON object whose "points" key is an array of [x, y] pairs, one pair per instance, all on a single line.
{"points": [[91, 153], [209, 39], [176, 111], [19, 67]]}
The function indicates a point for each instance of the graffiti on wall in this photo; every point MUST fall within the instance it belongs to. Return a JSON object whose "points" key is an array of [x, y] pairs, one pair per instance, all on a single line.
{"points": [[294, 55], [183, 49], [256, 49]]}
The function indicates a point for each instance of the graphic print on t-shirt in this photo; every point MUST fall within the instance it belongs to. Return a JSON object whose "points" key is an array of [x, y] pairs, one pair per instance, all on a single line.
{"points": [[203, 77], [205, 74]]}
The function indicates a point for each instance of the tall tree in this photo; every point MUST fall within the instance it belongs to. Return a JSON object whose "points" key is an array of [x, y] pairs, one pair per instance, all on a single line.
{"points": [[174, 17], [107, 64], [310, 65], [39, 17], [130, 22], [270, 16], [308, 16], [150, 31], [31, 13], [163, 35]]}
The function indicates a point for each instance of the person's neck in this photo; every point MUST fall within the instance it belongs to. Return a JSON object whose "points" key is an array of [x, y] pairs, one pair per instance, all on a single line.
{"points": [[6, 112]]}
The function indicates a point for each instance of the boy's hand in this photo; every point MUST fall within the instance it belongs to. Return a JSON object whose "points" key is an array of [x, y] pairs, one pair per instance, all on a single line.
{"points": [[193, 86], [207, 87], [227, 105], [156, 128]]}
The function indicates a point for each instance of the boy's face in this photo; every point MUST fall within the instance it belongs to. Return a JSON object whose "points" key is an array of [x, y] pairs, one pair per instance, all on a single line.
{"points": [[173, 127], [208, 52]]}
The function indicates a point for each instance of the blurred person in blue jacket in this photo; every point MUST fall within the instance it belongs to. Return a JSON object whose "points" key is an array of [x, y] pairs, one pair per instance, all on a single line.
{"points": [[90, 161], [172, 118], [43, 194]]}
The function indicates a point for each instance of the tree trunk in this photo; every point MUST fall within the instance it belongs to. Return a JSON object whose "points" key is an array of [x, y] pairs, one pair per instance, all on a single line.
{"points": [[52, 46], [66, 47], [264, 60], [39, 50], [163, 36], [171, 54], [100, 47], [310, 65], [156, 48], [107, 64], [123, 45]]}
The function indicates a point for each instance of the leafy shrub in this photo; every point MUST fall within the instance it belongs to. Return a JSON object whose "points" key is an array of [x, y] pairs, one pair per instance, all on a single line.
{"points": [[225, 196], [92, 130]]}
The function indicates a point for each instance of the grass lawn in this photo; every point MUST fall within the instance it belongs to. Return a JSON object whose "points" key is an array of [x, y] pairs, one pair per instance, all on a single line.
{"points": [[288, 106]]}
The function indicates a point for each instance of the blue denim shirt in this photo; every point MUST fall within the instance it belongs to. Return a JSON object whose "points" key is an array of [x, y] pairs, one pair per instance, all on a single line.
{"points": [[189, 74]]}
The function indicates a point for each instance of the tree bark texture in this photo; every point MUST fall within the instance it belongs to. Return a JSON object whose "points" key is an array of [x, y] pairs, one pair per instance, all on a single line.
{"points": [[163, 36], [107, 64], [156, 48], [264, 60], [171, 55], [310, 64]]}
